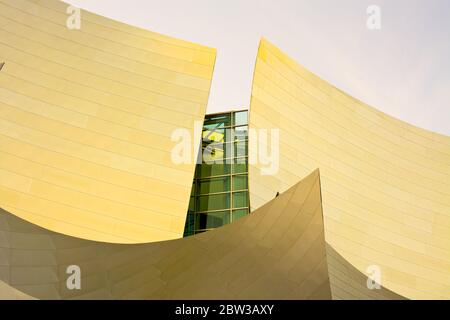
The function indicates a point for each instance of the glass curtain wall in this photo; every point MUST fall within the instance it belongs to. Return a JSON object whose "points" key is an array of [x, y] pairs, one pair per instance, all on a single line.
{"points": [[220, 189]]}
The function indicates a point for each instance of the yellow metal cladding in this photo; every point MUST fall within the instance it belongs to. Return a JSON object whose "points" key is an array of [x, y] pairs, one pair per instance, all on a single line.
{"points": [[385, 183], [86, 118]]}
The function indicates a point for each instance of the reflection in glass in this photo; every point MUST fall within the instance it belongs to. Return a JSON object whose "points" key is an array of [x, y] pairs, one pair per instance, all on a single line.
{"points": [[240, 149], [216, 135], [219, 193], [213, 185], [240, 199], [208, 170], [240, 118], [213, 219], [189, 229], [237, 214], [216, 152], [240, 182], [217, 121], [192, 204], [213, 202], [241, 133], [239, 167]]}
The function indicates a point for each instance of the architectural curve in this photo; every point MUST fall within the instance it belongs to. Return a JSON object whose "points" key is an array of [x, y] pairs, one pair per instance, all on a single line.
{"points": [[385, 183], [348, 283], [277, 252], [87, 111]]}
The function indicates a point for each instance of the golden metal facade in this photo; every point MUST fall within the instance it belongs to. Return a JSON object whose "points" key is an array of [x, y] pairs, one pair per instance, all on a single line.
{"points": [[385, 184], [85, 123], [86, 118]]}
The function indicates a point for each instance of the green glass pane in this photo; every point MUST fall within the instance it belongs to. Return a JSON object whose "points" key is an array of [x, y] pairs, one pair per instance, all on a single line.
{"points": [[240, 199], [241, 133], [221, 184], [240, 149], [241, 118], [237, 214], [240, 182], [213, 202], [190, 225], [192, 204], [240, 160], [217, 152], [208, 170], [217, 121], [193, 189], [213, 219], [240, 167], [216, 135]]}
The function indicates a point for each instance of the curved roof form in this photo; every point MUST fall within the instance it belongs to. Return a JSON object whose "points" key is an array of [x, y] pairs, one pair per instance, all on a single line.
{"points": [[86, 117], [385, 184], [277, 252]]}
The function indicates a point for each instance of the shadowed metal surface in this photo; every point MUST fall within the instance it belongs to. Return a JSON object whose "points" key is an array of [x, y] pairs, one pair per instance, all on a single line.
{"points": [[277, 252], [348, 283]]}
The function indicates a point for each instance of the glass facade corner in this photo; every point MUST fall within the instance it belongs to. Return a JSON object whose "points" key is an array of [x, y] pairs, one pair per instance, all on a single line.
{"points": [[220, 188]]}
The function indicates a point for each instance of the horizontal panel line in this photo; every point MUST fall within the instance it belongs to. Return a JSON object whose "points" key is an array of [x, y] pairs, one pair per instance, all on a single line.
{"points": [[380, 138], [165, 83], [361, 195], [113, 153], [81, 128], [371, 109], [92, 178], [119, 43], [92, 102], [198, 47], [393, 231], [85, 193], [374, 155], [363, 182], [91, 211], [109, 66], [60, 221], [391, 267], [94, 163]]}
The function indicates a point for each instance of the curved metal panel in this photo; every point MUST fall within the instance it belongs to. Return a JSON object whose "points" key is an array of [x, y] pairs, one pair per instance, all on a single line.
{"points": [[277, 252], [386, 184], [348, 283], [86, 117]]}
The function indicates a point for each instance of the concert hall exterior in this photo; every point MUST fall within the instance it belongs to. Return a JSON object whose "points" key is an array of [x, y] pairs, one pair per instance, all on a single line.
{"points": [[359, 207]]}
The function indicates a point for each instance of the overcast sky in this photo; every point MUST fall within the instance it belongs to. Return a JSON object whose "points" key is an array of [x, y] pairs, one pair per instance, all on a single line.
{"points": [[402, 69]]}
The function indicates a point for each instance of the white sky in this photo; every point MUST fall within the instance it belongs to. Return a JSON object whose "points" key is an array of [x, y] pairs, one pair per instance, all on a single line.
{"points": [[402, 69]]}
